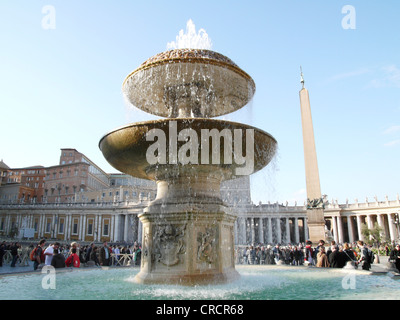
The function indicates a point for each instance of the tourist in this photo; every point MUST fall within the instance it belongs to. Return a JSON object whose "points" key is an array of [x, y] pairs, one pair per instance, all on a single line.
{"points": [[395, 256], [269, 255], [245, 255], [39, 254], [116, 252], [49, 252], [301, 252], [329, 251], [58, 260], [93, 256], [349, 254], [74, 245], [14, 253], [277, 253], [252, 255], [73, 259], [2, 252], [137, 254], [309, 255], [104, 257], [321, 243], [364, 255], [336, 259], [322, 258], [89, 252], [387, 250], [263, 255], [296, 256]]}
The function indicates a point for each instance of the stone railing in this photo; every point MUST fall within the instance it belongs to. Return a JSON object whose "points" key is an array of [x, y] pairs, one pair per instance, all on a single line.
{"points": [[22, 261], [122, 259]]}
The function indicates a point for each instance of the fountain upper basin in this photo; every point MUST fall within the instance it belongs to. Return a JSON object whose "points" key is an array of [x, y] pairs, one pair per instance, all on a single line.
{"points": [[189, 83], [125, 148]]}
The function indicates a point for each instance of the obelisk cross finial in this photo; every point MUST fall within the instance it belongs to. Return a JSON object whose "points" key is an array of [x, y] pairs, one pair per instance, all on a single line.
{"points": [[301, 77]]}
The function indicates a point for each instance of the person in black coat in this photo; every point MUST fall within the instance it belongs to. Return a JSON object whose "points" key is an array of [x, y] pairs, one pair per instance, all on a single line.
{"points": [[2, 252], [58, 260], [14, 253], [337, 258], [89, 252], [395, 255], [93, 256]]}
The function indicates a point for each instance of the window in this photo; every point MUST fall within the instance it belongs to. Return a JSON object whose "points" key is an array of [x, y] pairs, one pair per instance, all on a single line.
{"points": [[61, 226], [106, 227], [48, 226], [90, 227], [75, 227]]}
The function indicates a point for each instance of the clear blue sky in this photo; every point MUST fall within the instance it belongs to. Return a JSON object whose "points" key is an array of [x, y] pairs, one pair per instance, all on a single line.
{"points": [[61, 88]]}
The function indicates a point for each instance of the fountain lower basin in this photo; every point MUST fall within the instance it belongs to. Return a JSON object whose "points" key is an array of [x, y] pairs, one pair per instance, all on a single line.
{"points": [[126, 148], [255, 283]]}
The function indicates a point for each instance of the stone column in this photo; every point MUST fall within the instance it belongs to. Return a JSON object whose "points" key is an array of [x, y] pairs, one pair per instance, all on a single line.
{"points": [[287, 227], [269, 235], [126, 226], [253, 234], [306, 235], [116, 227], [350, 228], [278, 230], [335, 229], [261, 230], [360, 236], [80, 230], [380, 223], [96, 228], [369, 221], [84, 227], [340, 229], [65, 227], [243, 231], [296, 230], [392, 230]]}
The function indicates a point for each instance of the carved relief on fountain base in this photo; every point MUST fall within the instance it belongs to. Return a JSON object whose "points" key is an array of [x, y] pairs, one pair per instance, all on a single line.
{"points": [[185, 247]]}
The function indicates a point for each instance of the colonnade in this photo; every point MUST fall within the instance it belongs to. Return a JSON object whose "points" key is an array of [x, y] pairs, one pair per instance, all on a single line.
{"points": [[270, 229], [348, 227], [263, 224]]}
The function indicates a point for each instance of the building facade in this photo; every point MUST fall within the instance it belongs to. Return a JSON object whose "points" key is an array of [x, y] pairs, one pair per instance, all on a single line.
{"points": [[82, 203]]}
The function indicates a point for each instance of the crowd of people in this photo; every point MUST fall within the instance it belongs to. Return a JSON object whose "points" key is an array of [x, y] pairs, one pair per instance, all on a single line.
{"points": [[72, 255], [324, 255]]}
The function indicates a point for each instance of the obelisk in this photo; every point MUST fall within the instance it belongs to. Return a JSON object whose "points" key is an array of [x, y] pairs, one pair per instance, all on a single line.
{"points": [[315, 206]]}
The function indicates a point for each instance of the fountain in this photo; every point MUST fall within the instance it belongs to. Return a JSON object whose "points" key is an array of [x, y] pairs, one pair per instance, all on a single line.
{"points": [[188, 232]]}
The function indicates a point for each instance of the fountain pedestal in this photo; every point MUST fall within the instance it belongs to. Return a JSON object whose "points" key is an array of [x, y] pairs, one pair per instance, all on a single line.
{"points": [[187, 245], [188, 233]]}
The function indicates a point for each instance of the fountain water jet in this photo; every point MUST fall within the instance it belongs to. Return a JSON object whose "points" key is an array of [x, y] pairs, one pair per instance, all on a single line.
{"points": [[188, 232]]}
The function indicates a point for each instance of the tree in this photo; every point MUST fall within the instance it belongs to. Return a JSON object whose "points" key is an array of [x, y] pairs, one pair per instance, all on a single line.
{"points": [[372, 235]]}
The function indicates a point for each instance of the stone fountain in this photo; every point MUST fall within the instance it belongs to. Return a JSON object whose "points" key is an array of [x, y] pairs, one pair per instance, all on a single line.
{"points": [[188, 232]]}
